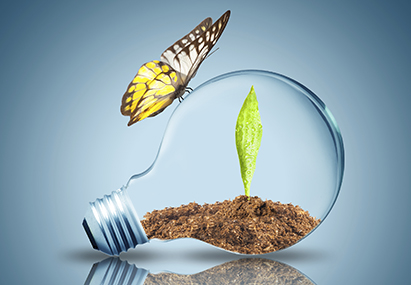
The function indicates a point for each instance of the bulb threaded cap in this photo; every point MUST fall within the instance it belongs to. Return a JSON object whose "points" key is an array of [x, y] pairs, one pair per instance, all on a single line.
{"points": [[112, 224]]}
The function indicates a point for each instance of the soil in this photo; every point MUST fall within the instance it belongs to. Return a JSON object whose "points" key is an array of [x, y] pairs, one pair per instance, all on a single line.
{"points": [[245, 226], [243, 271]]}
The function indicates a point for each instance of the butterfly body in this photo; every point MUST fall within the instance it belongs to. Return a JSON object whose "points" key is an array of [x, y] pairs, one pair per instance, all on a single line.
{"points": [[159, 82]]}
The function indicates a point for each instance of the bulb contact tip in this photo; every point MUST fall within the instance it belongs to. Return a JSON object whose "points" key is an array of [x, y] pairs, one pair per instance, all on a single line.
{"points": [[112, 224]]}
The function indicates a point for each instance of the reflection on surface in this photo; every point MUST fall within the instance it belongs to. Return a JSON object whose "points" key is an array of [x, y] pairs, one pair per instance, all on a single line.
{"points": [[243, 271], [112, 271]]}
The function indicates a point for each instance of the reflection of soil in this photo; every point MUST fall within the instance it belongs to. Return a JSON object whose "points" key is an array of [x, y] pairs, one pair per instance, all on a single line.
{"points": [[245, 226], [243, 271]]}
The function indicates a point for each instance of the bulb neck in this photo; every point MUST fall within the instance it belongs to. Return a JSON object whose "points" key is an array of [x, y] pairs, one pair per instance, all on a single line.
{"points": [[112, 224]]}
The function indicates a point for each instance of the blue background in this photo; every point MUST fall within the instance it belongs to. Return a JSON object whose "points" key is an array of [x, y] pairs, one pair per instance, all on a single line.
{"points": [[65, 65]]}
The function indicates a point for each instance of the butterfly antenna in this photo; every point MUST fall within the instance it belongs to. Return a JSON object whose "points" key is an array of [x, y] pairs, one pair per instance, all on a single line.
{"points": [[212, 52]]}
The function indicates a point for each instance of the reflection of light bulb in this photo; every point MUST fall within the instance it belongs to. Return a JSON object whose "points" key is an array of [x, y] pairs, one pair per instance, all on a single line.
{"points": [[242, 271], [301, 158]]}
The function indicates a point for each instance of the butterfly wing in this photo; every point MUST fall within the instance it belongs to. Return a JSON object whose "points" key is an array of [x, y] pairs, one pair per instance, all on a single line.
{"points": [[155, 87], [169, 54], [188, 60]]}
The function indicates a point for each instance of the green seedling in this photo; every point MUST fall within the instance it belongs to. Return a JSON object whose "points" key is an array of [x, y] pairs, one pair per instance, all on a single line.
{"points": [[248, 133]]}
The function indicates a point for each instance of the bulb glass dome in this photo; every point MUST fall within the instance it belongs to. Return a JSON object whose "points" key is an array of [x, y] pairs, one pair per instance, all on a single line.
{"points": [[300, 161]]}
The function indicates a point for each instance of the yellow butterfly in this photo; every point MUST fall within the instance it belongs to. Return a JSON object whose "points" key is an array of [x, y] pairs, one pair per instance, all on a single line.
{"points": [[158, 83]]}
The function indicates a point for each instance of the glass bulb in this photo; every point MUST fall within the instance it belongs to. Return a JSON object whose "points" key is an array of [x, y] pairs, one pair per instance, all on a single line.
{"points": [[300, 161]]}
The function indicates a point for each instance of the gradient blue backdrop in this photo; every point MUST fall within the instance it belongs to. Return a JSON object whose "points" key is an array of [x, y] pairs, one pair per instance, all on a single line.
{"points": [[65, 65]]}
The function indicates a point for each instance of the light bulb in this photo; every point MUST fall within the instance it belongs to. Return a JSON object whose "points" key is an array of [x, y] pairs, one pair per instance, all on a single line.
{"points": [[300, 161], [242, 271]]}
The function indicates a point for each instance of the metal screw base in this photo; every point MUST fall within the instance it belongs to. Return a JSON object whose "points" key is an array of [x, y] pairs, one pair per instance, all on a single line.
{"points": [[112, 224]]}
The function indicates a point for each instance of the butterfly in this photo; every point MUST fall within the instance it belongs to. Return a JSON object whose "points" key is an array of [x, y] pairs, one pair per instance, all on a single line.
{"points": [[159, 82]]}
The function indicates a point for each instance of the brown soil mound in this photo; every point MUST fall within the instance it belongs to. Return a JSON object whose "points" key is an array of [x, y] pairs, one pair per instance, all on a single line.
{"points": [[244, 226]]}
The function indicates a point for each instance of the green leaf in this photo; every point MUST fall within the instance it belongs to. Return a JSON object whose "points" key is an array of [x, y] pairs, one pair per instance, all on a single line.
{"points": [[248, 133]]}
